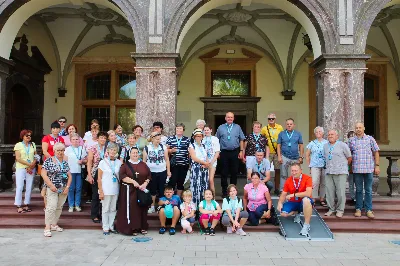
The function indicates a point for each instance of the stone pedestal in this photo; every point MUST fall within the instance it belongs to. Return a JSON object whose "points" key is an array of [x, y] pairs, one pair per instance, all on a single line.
{"points": [[375, 186], [340, 91], [156, 90], [393, 180]]}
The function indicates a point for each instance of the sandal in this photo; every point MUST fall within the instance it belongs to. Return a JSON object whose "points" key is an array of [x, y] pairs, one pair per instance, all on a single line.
{"points": [[47, 233], [323, 203], [143, 232], [20, 209], [27, 209], [135, 233], [56, 228]]}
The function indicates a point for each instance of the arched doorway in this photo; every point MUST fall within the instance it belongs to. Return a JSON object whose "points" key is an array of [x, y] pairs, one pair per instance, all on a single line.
{"points": [[19, 113]]}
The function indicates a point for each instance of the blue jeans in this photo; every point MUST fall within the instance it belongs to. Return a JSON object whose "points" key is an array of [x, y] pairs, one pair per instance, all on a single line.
{"points": [[74, 193], [254, 216], [363, 182]]}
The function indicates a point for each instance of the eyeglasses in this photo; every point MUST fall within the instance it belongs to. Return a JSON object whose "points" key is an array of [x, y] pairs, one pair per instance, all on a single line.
{"points": [[271, 118], [62, 121], [60, 150], [28, 136]]}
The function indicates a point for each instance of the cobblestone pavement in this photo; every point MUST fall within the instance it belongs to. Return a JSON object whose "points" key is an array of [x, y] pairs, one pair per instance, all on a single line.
{"points": [[88, 247]]}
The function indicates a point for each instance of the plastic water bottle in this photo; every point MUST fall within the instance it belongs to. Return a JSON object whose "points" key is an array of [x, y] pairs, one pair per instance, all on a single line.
{"points": [[167, 181], [146, 190]]}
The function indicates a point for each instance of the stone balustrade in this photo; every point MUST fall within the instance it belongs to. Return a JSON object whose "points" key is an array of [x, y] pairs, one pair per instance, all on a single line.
{"points": [[393, 172]]}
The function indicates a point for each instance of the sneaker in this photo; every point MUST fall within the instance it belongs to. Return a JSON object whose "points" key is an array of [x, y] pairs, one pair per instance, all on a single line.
{"points": [[172, 231], [339, 214], [357, 213], [71, 209], [162, 230], [229, 230], [370, 215], [240, 232], [329, 213], [212, 232], [207, 231], [78, 209], [297, 218], [151, 210], [304, 231]]}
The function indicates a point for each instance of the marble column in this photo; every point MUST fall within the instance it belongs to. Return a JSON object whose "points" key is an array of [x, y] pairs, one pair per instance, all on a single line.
{"points": [[156, 90], [340, 91], [5, 66]]}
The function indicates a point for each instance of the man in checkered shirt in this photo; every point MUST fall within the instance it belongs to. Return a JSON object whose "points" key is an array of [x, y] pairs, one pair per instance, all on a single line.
{"points": [[365, 152]]}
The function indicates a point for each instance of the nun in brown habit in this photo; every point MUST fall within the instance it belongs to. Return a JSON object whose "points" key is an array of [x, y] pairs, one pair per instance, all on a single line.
{"points": [[132, 218]]}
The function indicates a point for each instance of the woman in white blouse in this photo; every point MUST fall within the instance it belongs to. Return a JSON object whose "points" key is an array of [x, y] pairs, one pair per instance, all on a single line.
{"points": [[213, 149]]}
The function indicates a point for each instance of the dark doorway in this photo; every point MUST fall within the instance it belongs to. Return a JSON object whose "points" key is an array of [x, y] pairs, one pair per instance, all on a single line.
{"points": [[18, 113], [241, 121]]}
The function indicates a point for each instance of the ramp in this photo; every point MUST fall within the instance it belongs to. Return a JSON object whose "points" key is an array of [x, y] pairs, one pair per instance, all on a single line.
{"points": [[290, 230]]}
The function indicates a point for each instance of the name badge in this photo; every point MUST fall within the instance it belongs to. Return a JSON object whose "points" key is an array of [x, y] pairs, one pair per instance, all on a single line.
{"points": [[229, 137], [65, 176], [52, 142], [296, 198], [290, 144], [29, 161]]}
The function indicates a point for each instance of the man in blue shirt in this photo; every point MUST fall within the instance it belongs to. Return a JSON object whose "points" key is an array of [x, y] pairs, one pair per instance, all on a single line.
{"points": [[290, 149], [231, 139]]}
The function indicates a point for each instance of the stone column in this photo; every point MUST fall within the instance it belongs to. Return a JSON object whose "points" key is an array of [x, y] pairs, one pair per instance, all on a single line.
{"points": [[5, 66], [340, 91], [156, 90]]}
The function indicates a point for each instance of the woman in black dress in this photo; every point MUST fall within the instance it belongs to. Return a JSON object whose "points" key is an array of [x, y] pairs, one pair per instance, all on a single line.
{"points": [[132, 218]]}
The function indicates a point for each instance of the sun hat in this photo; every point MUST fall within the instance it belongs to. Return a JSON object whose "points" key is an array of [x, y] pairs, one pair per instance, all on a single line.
{"points": [[197, 132]]}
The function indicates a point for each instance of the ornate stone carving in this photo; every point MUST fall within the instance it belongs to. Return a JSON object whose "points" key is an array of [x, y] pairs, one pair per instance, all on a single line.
{"points": [[393, 173], [237, 17]]}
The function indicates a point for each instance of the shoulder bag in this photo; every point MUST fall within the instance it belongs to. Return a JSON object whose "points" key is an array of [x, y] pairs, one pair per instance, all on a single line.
{"points": [[144, 199]]}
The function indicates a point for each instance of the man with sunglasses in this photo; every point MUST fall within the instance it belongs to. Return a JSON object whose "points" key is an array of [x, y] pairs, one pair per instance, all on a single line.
{"points": [[62, 121], [271, 133], [337, 157]]}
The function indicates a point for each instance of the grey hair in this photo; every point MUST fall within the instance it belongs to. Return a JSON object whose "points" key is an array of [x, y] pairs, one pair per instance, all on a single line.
{"points": [[130, 135], [58, 146], [318, 127], [112, 146], [73, 135], [272, 114], [110, 132], [200, 121], [335, 130]]}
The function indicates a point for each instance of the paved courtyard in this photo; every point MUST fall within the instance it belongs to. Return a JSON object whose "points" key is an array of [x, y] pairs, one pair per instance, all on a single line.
{"points": [[79, 247]]}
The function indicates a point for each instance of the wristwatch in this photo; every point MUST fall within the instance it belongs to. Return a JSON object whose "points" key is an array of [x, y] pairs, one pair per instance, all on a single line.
{"points": [[376, 164]]}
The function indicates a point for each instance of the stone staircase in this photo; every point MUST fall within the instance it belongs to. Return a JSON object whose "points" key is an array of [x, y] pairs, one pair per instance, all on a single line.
{"points": [[387, 212]]}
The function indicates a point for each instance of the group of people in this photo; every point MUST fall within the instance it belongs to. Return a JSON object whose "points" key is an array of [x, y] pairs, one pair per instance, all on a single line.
{"points": [[129, 170]]}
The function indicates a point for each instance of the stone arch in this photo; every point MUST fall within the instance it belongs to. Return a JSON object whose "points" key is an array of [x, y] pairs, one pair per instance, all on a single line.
{"points": [[311, 14], [14, 13]]}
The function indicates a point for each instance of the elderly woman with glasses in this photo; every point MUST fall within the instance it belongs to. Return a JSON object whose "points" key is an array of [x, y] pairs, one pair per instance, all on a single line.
{"points": [[57, 178], [199, 167], [25, 152], [121, 137]]}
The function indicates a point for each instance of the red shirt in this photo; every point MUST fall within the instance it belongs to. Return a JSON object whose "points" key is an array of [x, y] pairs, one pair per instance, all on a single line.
{"points": [[51, 141], [290, 188]]}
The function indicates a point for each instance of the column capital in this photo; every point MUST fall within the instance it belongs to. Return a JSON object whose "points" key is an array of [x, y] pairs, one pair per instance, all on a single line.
{"points": [[340, 61], [157, 60]]}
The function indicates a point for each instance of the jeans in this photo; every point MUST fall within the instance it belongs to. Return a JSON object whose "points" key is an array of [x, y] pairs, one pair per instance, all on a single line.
{"points": [[363, 182], [254, 216], [74, 193]]}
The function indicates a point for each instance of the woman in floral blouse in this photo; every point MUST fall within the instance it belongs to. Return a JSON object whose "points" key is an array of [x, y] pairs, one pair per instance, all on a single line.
{"points": [[254, 142], [57, 178]]}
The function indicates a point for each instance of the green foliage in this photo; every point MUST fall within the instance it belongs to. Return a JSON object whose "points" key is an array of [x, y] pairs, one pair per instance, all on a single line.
{"points": [[127, 118], [230, 87]]}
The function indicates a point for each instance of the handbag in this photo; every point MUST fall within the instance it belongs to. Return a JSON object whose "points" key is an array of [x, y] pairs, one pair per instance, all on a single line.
{"points": [[143, 199]]}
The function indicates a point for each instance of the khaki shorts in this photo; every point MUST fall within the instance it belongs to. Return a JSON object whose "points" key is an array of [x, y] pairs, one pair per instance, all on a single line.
{"points": [[273, 158]]}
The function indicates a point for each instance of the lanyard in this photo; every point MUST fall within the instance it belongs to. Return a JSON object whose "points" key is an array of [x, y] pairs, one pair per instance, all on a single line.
{"points": [[254, 192], [229, 129], [201, 150], [298, 184], [287, 134], [56, 139], [232, 205], [79, 152], [64, 175], [157, 157], [100, 151], [120, 138], [178, 141], [331, 147], [27, 150], [257, 138], [259, 167], [207, 141], [112, 166]]}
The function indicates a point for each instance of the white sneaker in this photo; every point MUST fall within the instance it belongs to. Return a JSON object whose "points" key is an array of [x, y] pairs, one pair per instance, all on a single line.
{"points": [[304, 231], [151, 210], [229, 230], [78, 209], [297, 218], [240, 232], [71, 209]]}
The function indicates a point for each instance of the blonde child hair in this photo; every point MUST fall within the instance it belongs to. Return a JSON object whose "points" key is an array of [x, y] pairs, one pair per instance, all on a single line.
{"points": [[187, 193]]}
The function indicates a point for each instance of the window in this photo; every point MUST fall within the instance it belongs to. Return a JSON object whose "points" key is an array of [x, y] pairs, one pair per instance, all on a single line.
{"points": [[106, 92], [231, 83]]}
